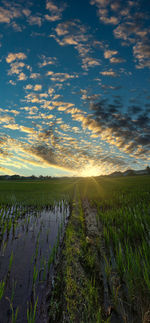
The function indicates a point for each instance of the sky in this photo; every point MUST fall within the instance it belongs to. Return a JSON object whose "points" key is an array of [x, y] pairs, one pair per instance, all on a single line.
{"points": [[74, 87]]}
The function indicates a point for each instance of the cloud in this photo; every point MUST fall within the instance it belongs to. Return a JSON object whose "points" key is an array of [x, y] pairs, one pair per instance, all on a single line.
{"points": [[16, 68], [6, 119], [38, 87], [47, 61], [134, 109], [5, 16], [34, 75], [117, 128], [86, 97], [32, 110], [101, 3], [19, 127], [12, 126], [109, 72], [22, 77], [141, 52], [73, 33], [71, 28], [35, 20], [103, 12], [15, 56], [52, 18], [73, 110], [62, 106], [111, 87], [51, 91], [117, 60], [27, 129], [26, 12], [55, 11], [6, 171], [108, 20], [61, 77], [8, 12], [132, 28], [90, 62], [16, 65], [49, 116], [110, 53], [56, 149], [47, 155], [28, 87]]}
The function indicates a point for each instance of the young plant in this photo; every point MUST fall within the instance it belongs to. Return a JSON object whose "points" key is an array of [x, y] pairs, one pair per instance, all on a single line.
{"points": [[14, 283], [35, 275], [31, 312], [10, 261], [50, 260], [14, 314], [108, 267], [2, 287]]}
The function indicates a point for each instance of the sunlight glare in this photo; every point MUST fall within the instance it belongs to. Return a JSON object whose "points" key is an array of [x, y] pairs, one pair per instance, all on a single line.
{"points": [[90, 170]]}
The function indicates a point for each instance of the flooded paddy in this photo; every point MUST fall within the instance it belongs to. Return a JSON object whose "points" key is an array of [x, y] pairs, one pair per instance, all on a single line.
{"points": [[29, 242]]}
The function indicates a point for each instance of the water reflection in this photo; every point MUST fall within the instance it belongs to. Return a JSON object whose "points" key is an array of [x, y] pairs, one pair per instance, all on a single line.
{"points": [[29, 243]]}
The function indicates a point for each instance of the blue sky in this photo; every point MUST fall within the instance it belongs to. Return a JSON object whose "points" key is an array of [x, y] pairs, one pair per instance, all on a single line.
{"points": [[75, 79]]}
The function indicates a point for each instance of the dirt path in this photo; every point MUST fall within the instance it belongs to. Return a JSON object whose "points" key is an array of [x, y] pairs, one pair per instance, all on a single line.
{"points": [[78, 292]]}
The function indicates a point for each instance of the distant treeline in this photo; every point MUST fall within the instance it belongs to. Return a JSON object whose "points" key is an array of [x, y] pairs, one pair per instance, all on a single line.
{"points": [[128, 172], [131, 172], [18, 177]]}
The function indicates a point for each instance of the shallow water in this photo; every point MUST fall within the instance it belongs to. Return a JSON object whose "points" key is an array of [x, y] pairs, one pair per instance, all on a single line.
{"points": [[31, 240]]}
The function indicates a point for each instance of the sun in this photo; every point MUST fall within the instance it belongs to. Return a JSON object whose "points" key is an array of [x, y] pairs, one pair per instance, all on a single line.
{"points": [[90, 170]]}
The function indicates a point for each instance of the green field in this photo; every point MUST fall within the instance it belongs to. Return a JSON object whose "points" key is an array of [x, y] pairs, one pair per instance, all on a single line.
{"points": [[35, 193], [118, 252]]}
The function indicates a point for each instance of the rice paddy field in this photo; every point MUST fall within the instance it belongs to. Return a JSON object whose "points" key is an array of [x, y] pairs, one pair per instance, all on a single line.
{"points": [[75, 250]]}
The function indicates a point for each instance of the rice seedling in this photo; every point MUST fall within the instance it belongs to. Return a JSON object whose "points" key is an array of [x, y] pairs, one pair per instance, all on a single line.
{"points": [[10, 261], [4, 245], [44, 270], [108, 267], [50, 261], [14, 313], [35, 274], [14, 283], [2, 288], [31, 312], [36, 251]]}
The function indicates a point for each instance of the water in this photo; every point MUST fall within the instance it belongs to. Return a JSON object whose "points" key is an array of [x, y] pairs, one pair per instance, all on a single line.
{"points": [[31, 240]]}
